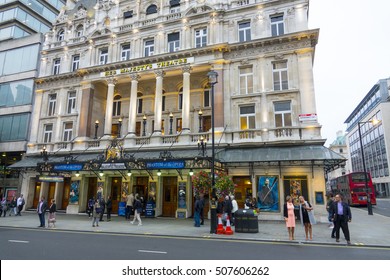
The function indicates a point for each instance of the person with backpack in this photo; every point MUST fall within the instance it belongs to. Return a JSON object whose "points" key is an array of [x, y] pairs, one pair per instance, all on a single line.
{"points": [[91, 202]]}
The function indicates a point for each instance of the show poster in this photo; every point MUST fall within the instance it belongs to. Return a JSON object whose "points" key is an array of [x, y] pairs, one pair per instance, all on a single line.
{"points": [[182, 195], [74, 192], [268, 193]]}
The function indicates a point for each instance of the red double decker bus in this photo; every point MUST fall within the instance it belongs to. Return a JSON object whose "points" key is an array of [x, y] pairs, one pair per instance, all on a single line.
{"points": [[352, 186]]}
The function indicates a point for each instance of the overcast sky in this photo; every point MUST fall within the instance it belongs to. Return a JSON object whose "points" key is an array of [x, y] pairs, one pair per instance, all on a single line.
{"points": [[352, 54]]}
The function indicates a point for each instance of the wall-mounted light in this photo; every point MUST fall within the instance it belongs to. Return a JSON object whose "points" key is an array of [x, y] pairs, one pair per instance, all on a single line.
{"points": [[101, 174], [159, 172], [77, 174], [191, 172], [129, 173]]}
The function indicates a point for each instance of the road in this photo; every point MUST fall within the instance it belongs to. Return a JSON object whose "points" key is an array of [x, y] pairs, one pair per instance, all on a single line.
{"points": [[37, 244], [382, 207]]}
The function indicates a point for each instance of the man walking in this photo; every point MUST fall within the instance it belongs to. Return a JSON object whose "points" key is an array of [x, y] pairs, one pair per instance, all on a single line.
{"points": [[19, 204], [341, 213], [41, 209]]}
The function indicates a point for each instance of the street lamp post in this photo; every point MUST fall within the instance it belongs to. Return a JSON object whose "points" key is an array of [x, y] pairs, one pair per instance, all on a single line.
{"points": [[144, 122], [44, 154], [213, 79], [119, 127], [202, 143], [200, 114], [369, 205], [96, 128], [170, 122]]}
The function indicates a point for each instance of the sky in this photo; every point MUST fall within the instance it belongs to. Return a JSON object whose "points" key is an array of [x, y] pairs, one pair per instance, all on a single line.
{"points": [[352, 54]]}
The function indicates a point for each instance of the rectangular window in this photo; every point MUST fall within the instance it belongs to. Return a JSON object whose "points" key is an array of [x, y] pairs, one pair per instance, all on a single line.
{"points": [[246, 80], [179, 124], [128, 14], [244, 31], [180, 101], [206, 98], [16, 93], [71, 103], [68, 131], [282, 113], [51, 110], [149, 47], [173, 42], [14, 127], [280, 75], [247, 117], [277, 25], [162, 127], [103, 56], [75, 62], [163, 103], [56, 66], [125, 52], [201, 37], [139, 105], [48, 133]]}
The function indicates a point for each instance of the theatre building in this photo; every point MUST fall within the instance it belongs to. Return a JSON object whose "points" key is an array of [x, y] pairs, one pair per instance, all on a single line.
{"points": [[124, 104]]}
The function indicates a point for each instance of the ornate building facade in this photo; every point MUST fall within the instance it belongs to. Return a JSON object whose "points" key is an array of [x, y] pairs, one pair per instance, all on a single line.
{"points": [[123, 104]]}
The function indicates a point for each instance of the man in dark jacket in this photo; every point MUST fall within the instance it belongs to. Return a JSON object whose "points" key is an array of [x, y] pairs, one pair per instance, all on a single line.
{"points": [[341, 213], [41, 209], [103, 206]]}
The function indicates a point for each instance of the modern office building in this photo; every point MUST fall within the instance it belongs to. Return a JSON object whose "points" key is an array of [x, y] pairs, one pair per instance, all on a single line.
{"points": [[124, 104], [22, 23], [373, 116]]}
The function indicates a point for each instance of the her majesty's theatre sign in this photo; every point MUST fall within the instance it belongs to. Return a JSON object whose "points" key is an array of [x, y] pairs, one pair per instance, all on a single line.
{"points": [[151, 66]]}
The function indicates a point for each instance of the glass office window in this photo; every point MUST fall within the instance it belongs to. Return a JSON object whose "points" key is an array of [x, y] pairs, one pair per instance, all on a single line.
{"points": [[16, 93], [14, 127], [19, 60]]}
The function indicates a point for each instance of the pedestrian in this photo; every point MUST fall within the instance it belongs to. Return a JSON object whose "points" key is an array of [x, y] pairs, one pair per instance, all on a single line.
{"points": [[52, 214], [234, 208], [307, 217], [253, 203], [129, 205], [41, 209], [91, 201], [201, 213], [341, 213], [109, 208], [4, 205], [19, 205], [328, 205], [96, 210], [137, 210], [198, 207], [12, 206], [227, 208], [102, 203], [248, 203], [289, 217]]}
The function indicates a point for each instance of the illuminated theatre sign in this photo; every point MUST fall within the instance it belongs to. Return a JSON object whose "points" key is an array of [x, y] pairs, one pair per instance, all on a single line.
{"points": [[145, 67]]}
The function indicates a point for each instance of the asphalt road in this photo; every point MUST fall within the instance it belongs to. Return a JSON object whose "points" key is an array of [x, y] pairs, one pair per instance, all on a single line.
{"points": [[38, 244], [382, 207]]}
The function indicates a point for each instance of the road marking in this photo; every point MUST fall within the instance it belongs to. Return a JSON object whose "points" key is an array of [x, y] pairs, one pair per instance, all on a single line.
{"points": [[153, 252], [18, 241]]}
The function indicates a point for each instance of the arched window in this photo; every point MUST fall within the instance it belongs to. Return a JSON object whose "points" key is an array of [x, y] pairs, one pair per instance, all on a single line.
{"points": [[139, 103], [116, 110], [180, 99], [61, 35], [79, 31], [152, 9]]}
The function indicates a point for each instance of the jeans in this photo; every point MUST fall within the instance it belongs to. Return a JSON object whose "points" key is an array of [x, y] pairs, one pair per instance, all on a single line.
{"points": [[42, 219]]}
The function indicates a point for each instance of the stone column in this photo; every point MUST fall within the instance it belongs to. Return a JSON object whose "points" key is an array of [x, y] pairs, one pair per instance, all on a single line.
{"points": [[186, 98], [133, 104], [110, 99], [219, 99], [85, 110], [158, 101], [35, 117]]}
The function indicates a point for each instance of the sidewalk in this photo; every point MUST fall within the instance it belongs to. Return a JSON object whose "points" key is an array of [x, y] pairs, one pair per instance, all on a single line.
{"points": [[365, 230]]}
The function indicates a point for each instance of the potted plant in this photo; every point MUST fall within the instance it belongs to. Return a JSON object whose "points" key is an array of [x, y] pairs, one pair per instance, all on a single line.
{"points": [[201, 183], [224, 185]]}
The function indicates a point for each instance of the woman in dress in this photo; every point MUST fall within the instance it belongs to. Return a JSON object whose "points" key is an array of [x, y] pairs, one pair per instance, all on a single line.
{"points": [[307, 217], [289, 217], [52, 214]]}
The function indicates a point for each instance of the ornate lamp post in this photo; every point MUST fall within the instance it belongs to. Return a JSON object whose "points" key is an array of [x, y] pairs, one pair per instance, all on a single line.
{"points": [[144, 122], [44, 154], [200, 114], [170, 122], [96, 128], [119, 127], [202, 143], [369, 205], [213, 79]]}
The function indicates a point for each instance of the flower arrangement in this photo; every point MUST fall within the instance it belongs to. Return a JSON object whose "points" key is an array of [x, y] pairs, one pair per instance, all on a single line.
{"points": [[201, 183], [224, 185]]}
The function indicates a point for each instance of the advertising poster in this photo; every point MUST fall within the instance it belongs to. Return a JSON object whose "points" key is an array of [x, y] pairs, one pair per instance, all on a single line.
{"points": [[268, 193]]}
